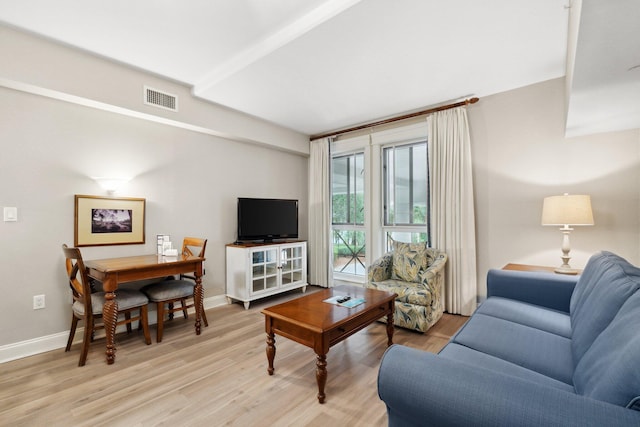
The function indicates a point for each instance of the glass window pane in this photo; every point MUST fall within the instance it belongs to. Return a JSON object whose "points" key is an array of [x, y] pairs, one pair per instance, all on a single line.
{"points": [[351, 191], [349, 252], [347, 188], [358, 217], [420, 190], [339, 187], [389, 193], [406, 236], [403, 185], [406, 193], [348, 192]]}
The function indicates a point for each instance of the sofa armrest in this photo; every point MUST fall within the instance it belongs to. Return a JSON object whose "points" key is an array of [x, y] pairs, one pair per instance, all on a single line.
{"points": [[539, 288], [380, 269], [424, 389]]}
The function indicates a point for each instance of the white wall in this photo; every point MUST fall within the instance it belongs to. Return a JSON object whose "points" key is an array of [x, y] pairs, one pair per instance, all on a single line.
{"points": [[521, 155], [191, 180]]}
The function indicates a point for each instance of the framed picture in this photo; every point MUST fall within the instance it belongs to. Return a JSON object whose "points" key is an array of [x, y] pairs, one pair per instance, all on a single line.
{"points": [[103, 221]]}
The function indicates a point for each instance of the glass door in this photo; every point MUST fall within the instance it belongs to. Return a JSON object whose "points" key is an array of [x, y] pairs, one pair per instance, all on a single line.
{"points": [[264, 263], [291, 264]]}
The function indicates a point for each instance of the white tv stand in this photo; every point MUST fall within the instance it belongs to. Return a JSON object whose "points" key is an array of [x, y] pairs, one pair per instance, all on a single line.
{"points": [[258, 270]]}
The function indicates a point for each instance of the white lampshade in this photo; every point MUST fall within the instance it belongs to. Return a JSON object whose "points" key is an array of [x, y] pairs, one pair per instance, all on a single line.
{"points": [[567, 210]]}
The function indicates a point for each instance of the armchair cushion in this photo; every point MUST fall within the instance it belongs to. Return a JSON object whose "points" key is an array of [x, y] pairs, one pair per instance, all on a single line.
{"points": [[409, 259], [412, 293]]}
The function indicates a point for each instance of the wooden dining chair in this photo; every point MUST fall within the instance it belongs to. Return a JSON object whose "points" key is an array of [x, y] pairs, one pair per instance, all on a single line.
{"points": [[168, 293], [88, 305]]}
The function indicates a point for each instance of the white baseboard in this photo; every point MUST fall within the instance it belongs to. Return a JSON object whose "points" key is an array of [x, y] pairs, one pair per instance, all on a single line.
{"points": [[56, 341]]}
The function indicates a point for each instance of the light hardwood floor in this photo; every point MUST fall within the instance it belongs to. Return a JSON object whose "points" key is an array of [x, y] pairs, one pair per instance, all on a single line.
{"points": [[215, 379]]}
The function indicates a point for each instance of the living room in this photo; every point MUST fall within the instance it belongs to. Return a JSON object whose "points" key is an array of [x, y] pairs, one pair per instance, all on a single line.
{"points": [[70, 115]]}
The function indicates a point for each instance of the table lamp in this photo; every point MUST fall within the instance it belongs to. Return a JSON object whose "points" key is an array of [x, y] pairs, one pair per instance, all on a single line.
{"points": [[565, 211]]}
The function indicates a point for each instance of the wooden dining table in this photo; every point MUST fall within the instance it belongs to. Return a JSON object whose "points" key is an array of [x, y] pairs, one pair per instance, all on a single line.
{"points": [[114, 271]]}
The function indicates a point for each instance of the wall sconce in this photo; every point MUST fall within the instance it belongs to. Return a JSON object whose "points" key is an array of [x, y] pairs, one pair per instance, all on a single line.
{"points": [[567, 210], [111, 185]]}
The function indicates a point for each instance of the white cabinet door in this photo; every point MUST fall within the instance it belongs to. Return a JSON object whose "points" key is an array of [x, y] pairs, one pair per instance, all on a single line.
{"points": [[292, 264], [264, 269]]}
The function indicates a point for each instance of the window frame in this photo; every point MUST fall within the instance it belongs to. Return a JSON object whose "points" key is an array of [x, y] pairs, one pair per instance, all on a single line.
{"points": [[348, 185], [387, 227], [371, 143], [352, 224]]}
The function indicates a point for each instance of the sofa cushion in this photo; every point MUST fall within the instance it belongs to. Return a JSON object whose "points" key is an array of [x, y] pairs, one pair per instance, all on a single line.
{"points": [[610, 369], [409, 259], [605, 284], [482, 360], [543, 352], [553, 321]]}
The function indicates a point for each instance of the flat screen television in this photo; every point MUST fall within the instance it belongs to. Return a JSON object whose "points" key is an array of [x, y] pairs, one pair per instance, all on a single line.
{"points": [[267, 219]]}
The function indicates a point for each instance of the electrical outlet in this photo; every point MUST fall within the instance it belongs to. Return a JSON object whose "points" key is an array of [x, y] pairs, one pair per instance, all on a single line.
{"points": [[38, 302]]}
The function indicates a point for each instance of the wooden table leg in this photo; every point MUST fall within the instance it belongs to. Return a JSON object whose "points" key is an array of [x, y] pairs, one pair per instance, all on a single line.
{"points": [[390, 327], [271, 351], [321, 375], [110, 319], [197, 296]]}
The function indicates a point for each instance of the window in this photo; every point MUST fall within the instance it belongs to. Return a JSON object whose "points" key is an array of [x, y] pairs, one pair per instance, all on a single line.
{"points": [[406, 193], [379, 189], [347, 193]]}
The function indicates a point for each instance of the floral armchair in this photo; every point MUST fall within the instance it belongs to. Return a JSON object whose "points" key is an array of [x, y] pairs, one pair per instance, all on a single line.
{"points": [[416, 274]]}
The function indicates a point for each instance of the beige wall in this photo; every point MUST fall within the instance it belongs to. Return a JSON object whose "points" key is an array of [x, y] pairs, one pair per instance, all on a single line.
{"points": [[521, 155], [191, 180]]}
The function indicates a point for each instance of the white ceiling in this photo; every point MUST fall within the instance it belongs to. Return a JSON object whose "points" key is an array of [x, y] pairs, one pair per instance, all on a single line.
{"points": [[320, 65], [605, 89]]}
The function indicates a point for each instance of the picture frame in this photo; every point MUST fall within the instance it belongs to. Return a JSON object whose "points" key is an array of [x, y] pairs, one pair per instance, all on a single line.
{"points": [[101, 221]]}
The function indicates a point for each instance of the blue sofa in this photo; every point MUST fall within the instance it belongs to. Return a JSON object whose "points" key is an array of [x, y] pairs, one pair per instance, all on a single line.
{"points": [[542, 350]]}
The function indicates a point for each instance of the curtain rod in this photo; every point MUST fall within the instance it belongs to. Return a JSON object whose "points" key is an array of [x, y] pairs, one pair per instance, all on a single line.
{"points": [[396, 119]]}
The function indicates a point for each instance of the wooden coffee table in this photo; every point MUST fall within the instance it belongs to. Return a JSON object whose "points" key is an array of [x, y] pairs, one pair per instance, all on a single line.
{"points": [[319, 325]]}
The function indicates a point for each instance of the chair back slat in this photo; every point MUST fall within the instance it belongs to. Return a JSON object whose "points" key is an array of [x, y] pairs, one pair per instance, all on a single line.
{"points": [[77, 275], [193, 245]]}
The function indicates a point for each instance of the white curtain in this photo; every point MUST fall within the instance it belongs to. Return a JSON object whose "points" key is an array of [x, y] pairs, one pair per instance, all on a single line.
{"points": [[452, 208], [319, 213]]}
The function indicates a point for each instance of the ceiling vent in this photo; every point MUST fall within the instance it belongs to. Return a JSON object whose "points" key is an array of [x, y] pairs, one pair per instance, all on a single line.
{"points": [[160, 99]]}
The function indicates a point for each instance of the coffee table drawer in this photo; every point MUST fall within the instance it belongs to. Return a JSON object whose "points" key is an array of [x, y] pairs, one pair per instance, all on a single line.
{"points": [[294, 332], [354, 325]]}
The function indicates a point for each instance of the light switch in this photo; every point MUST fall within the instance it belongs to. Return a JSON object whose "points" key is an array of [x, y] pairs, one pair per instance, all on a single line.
{"points": [[10, 214]]}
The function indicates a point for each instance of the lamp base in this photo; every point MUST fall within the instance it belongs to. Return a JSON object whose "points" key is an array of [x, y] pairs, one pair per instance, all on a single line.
{"points": [[566, 270]]}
